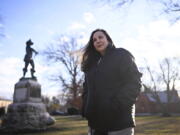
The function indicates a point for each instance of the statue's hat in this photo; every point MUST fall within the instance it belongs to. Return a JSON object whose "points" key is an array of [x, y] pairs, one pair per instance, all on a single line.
{"points": [[29, 42]]}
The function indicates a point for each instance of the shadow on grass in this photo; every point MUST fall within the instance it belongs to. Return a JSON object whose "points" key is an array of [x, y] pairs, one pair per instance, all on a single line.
{"points": [[48, 130], [70, 118]]}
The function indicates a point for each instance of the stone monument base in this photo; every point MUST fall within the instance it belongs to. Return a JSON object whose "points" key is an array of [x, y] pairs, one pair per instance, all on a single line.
{"points": [[27, 112], [26, 116]]}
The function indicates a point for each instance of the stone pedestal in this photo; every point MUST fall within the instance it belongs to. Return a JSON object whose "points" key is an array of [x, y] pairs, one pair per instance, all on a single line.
{"points": [[27, 111], [27, 90]]}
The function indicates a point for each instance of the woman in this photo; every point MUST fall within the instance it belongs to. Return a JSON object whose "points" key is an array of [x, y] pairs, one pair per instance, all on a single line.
{"points": [[112, 84]]}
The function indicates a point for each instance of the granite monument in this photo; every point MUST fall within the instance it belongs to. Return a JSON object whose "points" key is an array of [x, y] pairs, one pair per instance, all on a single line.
{"points": [[27, 112]]}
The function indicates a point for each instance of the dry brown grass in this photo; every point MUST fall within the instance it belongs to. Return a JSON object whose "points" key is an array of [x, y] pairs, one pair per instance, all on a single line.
{"points": [[157, 125], [148, 125]]}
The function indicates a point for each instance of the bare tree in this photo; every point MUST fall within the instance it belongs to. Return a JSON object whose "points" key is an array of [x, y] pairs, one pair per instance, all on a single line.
{"points": [[46, 100], [67, 52], [169, 7], [167, 76]]}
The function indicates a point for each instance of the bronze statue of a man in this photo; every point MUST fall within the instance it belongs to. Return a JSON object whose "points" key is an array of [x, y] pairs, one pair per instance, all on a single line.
{"points": [[28, 58]]}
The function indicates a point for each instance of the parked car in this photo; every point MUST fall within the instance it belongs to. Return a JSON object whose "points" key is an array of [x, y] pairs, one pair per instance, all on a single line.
{"points": [[57, 113], [73, 111]]}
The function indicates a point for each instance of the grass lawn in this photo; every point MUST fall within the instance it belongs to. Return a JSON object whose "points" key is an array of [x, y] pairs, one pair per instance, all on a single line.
{"points": [[156, 125], [147, 125]]}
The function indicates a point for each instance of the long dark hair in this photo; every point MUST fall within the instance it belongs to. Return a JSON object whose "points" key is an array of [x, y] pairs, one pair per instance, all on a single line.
{"points": [[90, 55]]}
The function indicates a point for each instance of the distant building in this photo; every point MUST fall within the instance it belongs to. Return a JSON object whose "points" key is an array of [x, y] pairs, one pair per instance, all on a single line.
{"points": [[146, 103], [4, 102]]}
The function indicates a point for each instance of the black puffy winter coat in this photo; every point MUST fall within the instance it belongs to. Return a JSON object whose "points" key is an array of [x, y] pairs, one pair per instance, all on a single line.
{"points": [[110, 90]]}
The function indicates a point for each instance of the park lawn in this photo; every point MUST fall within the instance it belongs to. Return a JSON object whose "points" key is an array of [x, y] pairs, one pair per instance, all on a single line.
{"points": [[65, 125], [157, 125], [146, 125]]}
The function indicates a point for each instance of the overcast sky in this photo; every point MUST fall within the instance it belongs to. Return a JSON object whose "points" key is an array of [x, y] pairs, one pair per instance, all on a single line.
{"points": [[138, 28]]}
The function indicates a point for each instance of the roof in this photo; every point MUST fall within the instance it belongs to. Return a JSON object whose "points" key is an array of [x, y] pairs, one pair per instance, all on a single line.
{"points": [[163, 97]]}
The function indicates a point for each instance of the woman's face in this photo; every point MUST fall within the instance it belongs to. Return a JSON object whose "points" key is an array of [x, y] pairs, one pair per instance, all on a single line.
{"points": [[100, 42]]}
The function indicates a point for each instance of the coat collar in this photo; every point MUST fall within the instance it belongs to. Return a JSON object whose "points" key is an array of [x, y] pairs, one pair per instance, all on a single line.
{"points": [[108, 50]]}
